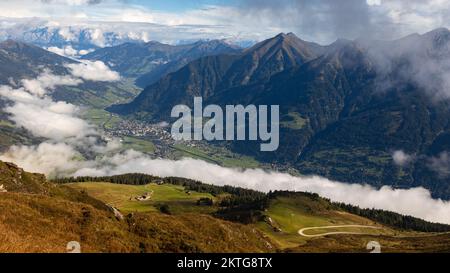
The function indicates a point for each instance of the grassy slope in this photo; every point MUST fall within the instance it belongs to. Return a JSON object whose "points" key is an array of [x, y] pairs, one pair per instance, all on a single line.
{"points": [[42, 217], [292, 214], [123, 197], [288, 214], [413, 243], [37, 223], [38, 216]]}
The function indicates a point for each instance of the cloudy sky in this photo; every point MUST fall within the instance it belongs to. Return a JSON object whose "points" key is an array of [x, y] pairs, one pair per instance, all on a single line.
{"points": [[320, 20]]}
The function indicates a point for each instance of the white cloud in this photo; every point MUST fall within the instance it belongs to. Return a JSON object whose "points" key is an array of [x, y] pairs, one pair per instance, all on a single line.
{"points": [[401, 158], [48, 81], [416, 202], [97, 37], [32, 108], [44, 117], [93, 71], [441, 164], [48, 158], [67, 51], [373, 2], [85, 51]]}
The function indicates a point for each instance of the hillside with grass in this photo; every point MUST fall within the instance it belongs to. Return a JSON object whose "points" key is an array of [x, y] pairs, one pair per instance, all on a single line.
{"points": [[40, 216], [142, 213], [291, 221]]}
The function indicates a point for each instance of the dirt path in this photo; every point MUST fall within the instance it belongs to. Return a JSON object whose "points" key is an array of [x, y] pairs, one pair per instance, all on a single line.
{"points": [[302, 231]]}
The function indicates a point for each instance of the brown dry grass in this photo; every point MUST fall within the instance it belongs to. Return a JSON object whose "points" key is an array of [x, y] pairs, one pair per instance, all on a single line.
{"points": [[38, 223]]}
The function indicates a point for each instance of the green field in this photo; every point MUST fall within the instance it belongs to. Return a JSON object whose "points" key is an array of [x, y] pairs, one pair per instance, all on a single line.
{"points": [[101, 118], [283, 218], [217, 155], [294, 121], [123, 197], [138, 144], [292, 214], [289, 215]]}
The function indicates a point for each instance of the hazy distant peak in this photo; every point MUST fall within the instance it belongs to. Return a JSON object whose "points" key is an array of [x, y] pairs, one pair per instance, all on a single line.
{"points": [[438, 32], [12, 44]]}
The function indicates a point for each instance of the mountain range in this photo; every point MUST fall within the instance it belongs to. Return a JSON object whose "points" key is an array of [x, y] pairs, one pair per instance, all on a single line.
{"points": [[346, 108], [20, 61], [85, 36], [148, 62]]}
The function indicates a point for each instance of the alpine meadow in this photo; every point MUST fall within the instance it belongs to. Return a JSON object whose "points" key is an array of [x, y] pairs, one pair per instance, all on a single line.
{"points": [[261, 130]]}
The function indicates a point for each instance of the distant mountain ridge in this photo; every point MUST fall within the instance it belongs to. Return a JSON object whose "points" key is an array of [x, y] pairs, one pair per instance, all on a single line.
{"points": [[210, 75], [88, 35], [20, 60], [148, 62], [345, 108]]}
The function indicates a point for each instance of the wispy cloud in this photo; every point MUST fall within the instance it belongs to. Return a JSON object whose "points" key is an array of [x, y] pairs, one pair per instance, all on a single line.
{"points": [[401, 158], [440, 164]]}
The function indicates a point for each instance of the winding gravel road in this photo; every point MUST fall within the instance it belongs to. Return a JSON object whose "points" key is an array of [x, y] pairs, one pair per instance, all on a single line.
{"points": [[302, 231]]}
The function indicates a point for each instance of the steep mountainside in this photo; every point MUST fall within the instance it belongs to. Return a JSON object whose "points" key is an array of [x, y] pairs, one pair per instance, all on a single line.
{"points": [[19, 60], [215, 74], [345, 108], [193, 52], [150, 61], [24, 61]]}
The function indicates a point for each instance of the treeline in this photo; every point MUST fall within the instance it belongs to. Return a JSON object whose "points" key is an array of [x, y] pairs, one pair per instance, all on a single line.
{"points": [[237, 204], [127, 179], [388, 218], [243, 209], [395, 220], [248, 206], [214, 190], [188, 184]]}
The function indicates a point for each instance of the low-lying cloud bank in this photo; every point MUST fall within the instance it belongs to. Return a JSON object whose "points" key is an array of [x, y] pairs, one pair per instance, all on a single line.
{"points": [[31, 107], [93, 71], [69, 51], [76, 148], [59, 159]]}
